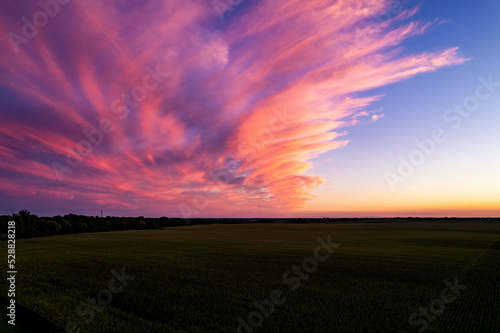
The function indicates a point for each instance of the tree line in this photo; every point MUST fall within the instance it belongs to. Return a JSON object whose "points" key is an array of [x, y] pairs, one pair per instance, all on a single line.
{"points": [[30, 225]]}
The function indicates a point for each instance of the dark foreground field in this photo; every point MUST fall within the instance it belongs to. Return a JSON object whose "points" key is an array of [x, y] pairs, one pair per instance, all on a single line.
{"points": [[202, 278]]}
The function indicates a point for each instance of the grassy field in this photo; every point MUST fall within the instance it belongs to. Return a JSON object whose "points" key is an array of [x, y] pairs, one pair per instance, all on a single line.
{"points": [[202, 278]]}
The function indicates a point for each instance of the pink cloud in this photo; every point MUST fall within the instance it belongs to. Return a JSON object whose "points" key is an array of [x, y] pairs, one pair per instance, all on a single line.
{"points": [[206, 115]]}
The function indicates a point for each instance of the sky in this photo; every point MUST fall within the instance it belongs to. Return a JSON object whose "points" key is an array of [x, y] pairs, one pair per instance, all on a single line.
{"points": [[250, 108]]}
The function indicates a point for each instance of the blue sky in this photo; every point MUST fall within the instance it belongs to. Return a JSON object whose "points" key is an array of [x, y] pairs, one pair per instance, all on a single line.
{"points": [[414, 107]]}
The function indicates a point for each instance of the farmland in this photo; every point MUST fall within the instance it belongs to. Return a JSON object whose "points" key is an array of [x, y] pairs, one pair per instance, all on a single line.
{"points": [[202, 278]]}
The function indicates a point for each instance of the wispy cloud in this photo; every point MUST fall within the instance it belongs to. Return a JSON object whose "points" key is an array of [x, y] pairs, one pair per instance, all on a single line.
{"points": [[259, 96]]}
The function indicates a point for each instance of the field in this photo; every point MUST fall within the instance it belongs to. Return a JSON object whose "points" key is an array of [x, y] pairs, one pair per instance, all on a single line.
{"points": [[202, 278]]}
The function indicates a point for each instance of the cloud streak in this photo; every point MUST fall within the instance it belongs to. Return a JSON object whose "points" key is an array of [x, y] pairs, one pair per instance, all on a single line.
{"points": [[257, 96]]}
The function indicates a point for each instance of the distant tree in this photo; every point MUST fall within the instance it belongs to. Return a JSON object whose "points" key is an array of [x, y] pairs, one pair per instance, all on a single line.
{"points": [[28, 221], [65, 226], [53, 227]]}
